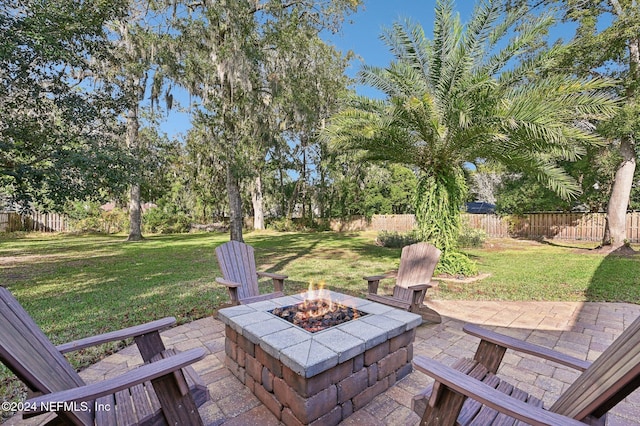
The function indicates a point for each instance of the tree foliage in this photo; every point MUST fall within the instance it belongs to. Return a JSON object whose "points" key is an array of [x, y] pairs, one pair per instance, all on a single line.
{"points": [[139, 64], [251, 65], [58, 128], [614, 51], [606, 44], [468, 94]]}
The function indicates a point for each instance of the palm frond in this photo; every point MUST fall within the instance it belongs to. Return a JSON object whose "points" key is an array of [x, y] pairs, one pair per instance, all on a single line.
{"points": [[479, 29], [378, 78], [546, 171], [558, 180], [446, 31], [521, 43], [407, 43], [468, 94]]}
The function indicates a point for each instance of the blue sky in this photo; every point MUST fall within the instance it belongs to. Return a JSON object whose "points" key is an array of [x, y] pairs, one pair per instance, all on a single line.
{"points": [[360, 34]]}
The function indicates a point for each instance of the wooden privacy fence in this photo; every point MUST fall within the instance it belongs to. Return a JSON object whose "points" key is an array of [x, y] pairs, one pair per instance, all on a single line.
{"points": [[43, 222], [393, 222], [561, 226]]}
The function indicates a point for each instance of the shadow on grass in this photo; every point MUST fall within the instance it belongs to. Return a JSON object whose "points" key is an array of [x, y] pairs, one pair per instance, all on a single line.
{"points": [[617, 279], [327, 242], [588, 245]]}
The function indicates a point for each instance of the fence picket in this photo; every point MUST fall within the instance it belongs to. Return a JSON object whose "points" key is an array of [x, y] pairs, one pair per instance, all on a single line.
{"points": [[43, 222]]}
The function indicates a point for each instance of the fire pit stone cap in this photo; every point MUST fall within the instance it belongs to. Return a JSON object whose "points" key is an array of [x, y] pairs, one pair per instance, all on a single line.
{"points": [[371, 334], [392, 326], [377, 308], [412, 320], [343, 299], [265, 305], [275, 343], [226, 314], [348, 300], [309, 358], [256, 331], [285, 301], [238, 322], [344, 344]]}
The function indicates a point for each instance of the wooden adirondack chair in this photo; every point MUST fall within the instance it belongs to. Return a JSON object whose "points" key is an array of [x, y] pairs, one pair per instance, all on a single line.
{"points": [[417, 263], [238, 266], [153, 394], [602, 384]]}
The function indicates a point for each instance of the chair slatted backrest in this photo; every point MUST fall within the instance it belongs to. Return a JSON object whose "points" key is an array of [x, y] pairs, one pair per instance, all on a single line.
{"points": [[611, 377], [417, 263], [237, 263], [26, 351]]}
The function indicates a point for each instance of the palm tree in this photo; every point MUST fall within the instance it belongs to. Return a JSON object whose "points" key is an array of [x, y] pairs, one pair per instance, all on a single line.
{"points": [[469, 95]]}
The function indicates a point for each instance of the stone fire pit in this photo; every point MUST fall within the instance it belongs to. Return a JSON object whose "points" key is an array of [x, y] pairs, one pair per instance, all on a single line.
{"points": [[322, 377]]}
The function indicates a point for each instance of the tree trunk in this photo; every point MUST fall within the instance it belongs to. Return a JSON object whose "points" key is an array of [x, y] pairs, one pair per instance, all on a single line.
{"points": [[615, 231], [258, 204], [283, 195], [322, 184], [235, 205], [303, 179], [615, 228], [135, 215]]}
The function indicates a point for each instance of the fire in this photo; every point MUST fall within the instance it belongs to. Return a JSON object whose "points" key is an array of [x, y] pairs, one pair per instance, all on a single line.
{"points": [[317, 311], [316, 303]]}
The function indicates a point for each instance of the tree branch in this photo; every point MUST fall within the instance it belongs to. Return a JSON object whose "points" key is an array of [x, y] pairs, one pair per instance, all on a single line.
{"points": [[618, 9], [261, 6]]}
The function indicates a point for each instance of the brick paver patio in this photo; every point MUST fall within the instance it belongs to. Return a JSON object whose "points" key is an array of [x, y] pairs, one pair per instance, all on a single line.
{"points": [[583, 330]]}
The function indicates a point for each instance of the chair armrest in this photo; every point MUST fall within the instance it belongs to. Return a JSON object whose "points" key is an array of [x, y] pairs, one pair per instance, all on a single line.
{"points": [[374, 281], [378, 277], [273, 276], [419, 287], [131, 378], [112, 336], [475, 389], [227, 282], [526, 347], [277, 279]]}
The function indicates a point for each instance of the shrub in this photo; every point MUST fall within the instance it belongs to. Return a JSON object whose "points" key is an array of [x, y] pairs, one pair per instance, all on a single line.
{"points": [[452, 262], [321, 225], [396, 240], [313, 224], [282, 225], [160, 221], [298, 225], [471, 237], [89, 217], [456, 264], [91, 224], [114, 221]]}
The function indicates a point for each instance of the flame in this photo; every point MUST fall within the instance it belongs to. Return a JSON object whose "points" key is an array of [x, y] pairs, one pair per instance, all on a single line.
{"points": [[316, 310]]}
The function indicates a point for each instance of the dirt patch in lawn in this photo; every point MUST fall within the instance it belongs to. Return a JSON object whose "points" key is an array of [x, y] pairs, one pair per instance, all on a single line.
{"points": [[460, 280], [18, 260], [623, 251], [499, 244]]}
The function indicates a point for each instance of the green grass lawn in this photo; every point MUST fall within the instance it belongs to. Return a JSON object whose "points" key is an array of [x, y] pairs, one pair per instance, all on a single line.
{"points": [[528, 270], [77, 286]]}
